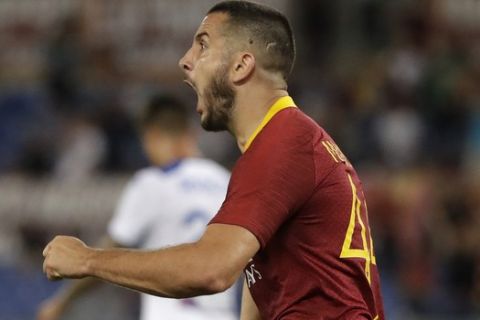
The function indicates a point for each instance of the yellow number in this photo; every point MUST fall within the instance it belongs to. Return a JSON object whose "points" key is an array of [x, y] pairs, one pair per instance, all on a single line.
{"points": [[367, 251], [347, 251]]}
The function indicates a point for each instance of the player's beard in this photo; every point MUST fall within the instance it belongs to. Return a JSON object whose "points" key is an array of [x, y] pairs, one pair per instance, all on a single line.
{"points": [[219, 100]]}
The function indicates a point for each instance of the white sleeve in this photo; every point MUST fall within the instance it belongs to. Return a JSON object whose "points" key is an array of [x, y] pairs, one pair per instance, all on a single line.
{"points": [[134, 213]]}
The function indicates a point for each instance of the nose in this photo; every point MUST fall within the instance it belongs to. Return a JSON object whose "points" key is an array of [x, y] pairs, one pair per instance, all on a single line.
{"points": [[185, 63]]}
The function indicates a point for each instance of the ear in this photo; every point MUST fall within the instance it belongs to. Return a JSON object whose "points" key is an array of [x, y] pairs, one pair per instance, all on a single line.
{"points": [[243, 67]]}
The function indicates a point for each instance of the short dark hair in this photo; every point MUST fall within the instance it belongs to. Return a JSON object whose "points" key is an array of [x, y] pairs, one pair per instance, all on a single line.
{"points": [[166, 113], [266, 28]]}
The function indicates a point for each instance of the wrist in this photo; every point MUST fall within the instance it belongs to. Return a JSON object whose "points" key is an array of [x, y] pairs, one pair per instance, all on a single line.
{"points": [[89, 262]]}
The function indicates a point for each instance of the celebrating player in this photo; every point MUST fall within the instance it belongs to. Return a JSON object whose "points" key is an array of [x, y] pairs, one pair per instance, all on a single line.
{"points": [[295, 216]]}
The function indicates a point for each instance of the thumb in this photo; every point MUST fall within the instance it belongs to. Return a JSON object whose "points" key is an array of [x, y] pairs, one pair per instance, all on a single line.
{"points": [[45, 251]]}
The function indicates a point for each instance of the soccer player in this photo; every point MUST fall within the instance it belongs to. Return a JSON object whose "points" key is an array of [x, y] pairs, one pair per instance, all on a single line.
{"points": [[169, 203], [294, 218]]}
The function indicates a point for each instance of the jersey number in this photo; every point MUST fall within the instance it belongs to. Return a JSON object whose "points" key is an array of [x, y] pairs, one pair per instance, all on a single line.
{"points": [[366, 252]]}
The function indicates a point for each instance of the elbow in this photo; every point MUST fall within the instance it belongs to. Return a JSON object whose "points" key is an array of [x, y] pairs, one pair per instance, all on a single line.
{"points": [[215, 282], [193, 286]]}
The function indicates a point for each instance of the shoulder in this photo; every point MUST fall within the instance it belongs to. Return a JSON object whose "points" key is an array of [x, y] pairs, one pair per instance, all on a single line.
{"points": [[295, 124], [148, 173], [202, 175], [146, 177], [291, 129], [286, 147], [204, 166]]}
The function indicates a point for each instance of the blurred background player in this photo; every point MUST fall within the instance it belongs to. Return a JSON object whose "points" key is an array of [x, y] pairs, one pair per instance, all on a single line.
{"points": [[165, 204]]}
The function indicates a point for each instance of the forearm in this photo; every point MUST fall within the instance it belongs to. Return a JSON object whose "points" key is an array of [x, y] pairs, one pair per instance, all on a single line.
{"points": [[208, 266], [175, 272]]}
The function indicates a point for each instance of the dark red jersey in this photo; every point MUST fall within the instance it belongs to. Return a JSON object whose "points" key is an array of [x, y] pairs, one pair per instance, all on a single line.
{"points": [[298, 194]]}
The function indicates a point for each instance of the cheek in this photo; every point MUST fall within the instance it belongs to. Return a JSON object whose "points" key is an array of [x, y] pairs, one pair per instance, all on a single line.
{"points": [[207, 66], [147, 147], [149, 143], [202, 71]]}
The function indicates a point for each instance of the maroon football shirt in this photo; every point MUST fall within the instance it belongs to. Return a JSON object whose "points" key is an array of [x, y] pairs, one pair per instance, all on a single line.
{"points": [[297, 193]]}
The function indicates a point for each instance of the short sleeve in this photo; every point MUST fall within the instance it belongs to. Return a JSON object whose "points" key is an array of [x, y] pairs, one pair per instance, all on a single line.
{"points": [[272, 180], [134, 213]]}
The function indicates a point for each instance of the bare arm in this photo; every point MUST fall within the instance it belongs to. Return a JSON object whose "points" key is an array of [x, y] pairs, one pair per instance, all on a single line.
{"points": [[249, 310], [208, 266]]}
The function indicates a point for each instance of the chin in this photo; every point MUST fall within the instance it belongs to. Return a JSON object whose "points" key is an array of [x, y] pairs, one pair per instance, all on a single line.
{"points": [[208, 125]]}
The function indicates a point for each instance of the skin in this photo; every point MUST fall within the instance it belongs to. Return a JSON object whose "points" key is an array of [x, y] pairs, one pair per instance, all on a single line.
{"points": [[213, 263], [161, 147], [255, 89], [55, 307]]}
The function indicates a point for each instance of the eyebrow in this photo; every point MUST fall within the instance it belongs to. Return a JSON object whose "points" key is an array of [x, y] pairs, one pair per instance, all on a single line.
{"points": [[201, 35]]}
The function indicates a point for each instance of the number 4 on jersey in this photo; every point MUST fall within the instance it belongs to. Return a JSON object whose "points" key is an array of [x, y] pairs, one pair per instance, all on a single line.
{"points": [[367, 251]]}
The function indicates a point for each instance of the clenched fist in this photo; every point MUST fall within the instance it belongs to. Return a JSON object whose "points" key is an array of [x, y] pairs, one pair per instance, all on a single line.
{"points": [[66, 257]]}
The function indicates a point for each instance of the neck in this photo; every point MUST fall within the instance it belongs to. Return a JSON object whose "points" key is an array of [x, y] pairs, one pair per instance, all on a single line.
{"points": [[180, 148], [249, 111]]}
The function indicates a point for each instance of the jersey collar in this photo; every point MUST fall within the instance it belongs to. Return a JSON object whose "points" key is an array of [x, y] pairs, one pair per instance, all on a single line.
{"points": [[172, 166], [279, 105]]}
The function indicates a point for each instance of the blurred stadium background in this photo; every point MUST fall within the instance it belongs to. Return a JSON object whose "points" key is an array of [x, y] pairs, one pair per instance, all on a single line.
{"points": [[397, 84]]}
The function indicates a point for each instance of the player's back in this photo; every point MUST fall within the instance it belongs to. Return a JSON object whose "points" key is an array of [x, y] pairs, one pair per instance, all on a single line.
{"points": [[298, 194], [328, 240], [169, 206]]}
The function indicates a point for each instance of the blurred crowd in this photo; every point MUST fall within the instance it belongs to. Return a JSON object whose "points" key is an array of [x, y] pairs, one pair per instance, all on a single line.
{"points": [[396, 83]]}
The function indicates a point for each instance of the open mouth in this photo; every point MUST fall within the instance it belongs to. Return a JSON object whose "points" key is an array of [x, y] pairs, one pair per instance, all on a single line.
{"points": [[190, 84]]}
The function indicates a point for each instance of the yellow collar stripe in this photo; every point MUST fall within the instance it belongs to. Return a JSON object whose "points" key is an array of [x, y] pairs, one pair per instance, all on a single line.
{"points": [[279, 105]]}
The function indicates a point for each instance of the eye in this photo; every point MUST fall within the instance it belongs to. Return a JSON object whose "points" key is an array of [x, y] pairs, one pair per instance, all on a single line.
{"points": [[203, 45]]}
